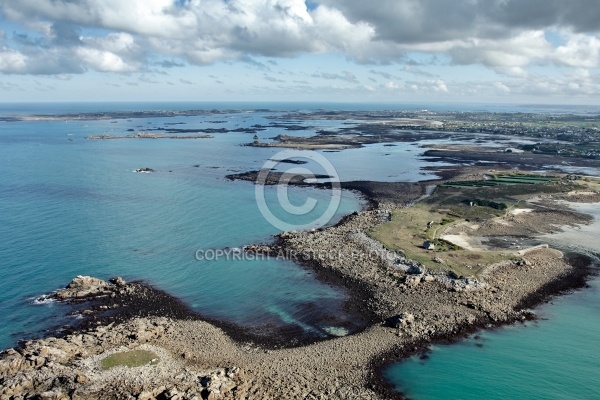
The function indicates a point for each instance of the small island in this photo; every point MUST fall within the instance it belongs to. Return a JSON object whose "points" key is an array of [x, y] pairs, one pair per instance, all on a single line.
{"points": [[150, 135]]}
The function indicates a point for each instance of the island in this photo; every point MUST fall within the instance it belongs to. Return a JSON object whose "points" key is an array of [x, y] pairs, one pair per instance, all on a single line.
{"points": [[150, 135]]}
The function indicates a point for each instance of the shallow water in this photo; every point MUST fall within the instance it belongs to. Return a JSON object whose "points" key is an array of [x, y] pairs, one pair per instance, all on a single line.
{"points": [[580, 237]]}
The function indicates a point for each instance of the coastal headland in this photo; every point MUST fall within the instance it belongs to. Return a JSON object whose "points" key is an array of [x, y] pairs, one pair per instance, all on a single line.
{"points": [[136, 341]]}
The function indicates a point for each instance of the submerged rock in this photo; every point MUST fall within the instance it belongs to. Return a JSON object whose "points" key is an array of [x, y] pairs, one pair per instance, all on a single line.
{"points": [[143, 170]]}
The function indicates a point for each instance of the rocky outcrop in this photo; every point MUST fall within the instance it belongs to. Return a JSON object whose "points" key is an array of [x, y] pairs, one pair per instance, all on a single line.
{"points": [[83, 287], [71, 367]]}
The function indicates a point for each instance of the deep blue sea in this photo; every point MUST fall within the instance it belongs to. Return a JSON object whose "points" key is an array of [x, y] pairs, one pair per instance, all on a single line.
{"points": [[71, 206]]}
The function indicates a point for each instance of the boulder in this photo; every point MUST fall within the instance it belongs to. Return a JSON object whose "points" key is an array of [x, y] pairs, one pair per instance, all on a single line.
{"points": [[120, 282], [414, 270], [401, 320], [412, 280], [82, 287]]}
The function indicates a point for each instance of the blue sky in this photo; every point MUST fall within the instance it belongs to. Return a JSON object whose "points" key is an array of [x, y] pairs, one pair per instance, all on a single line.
{"points": [[506, 51]]}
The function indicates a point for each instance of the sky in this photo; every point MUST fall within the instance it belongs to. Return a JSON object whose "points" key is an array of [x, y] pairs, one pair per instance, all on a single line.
{"points": [[503, 51]]}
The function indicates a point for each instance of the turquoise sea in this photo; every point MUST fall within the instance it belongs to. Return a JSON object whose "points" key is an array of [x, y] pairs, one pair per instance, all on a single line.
{"points": [[556, 358], [71, 206]]}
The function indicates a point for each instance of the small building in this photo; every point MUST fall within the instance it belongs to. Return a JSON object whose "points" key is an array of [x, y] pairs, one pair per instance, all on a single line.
{"points": [[427, 245]]}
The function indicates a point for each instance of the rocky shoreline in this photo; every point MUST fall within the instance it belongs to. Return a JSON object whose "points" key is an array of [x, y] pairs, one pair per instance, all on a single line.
{"points": [[405, 308], [68, 367]]}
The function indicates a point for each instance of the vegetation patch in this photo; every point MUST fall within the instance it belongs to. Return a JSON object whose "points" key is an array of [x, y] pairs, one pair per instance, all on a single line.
{"points": [[485, 203], [411, 227], [503, 179], [134, 358]]}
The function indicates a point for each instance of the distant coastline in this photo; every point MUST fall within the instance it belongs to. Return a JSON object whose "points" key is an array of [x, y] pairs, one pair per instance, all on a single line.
{"points": [[149, 135]]}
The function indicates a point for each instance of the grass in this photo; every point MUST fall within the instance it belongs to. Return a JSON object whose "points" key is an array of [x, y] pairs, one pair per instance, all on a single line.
{"points": [[134, 358], [408, 229], [449, 206], [504, 179]]}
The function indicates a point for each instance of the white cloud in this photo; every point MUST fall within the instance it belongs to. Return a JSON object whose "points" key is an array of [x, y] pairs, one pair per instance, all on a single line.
{"points": [[514, 72], [579, 51], [102, 60], [501, 87], [207, 31], [439, 86], [509, 37], [343, 76], [518, 51], [11, 61]]}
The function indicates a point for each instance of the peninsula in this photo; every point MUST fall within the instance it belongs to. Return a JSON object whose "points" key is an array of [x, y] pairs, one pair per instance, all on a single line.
{"points": [[421, 268]]}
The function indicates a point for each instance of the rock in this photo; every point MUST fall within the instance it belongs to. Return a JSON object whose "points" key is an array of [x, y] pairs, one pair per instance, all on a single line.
{"points": [[145, 396], [232, 372], [427, 245], [412, 280], [407, 318], [82, 287], [414, 270], [120, 282], [12, 363], [401, 320], [453, 275], [43, 351], [86, 282]]}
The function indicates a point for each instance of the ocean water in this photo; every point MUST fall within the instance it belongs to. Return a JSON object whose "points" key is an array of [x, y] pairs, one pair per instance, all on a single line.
{"points": [[556, 357], [72, 206]]}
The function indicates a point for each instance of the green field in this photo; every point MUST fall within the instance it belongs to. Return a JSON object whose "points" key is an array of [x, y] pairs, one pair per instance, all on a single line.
{"points": [[411, 227], [495, 180], [134, 358]]}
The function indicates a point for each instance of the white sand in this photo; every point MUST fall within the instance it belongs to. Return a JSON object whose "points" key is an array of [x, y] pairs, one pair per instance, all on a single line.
{"points": [[517, 211]]}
